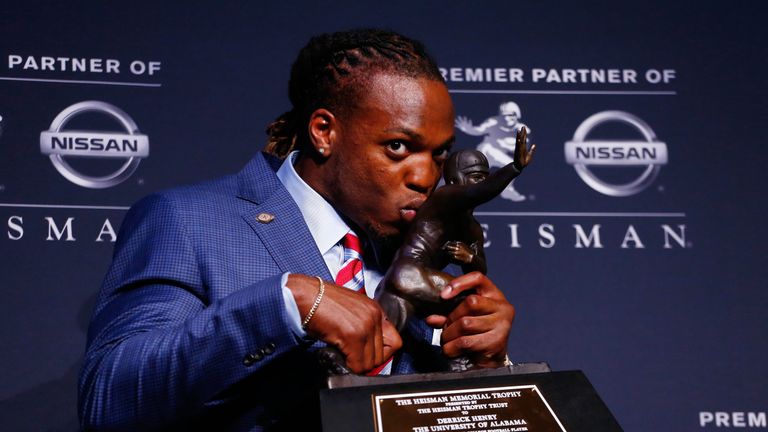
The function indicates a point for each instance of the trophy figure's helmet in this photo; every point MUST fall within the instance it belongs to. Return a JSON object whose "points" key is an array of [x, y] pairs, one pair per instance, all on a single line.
{"points": [[465, 166], [509, 108]]}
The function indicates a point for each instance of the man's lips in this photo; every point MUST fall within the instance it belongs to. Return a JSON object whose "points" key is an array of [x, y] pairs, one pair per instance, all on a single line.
{"points": [[408, 212]]}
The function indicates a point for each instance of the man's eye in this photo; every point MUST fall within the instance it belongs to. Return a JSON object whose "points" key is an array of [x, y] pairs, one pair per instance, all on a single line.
{"points": [[441, 154], [397, 148]]}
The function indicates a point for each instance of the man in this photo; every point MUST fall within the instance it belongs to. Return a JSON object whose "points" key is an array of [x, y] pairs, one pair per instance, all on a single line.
{"points": [[220, 293]]}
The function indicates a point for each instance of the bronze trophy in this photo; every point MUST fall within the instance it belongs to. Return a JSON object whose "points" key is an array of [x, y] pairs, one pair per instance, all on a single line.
{"points": [[443, 232], [464, 397]]}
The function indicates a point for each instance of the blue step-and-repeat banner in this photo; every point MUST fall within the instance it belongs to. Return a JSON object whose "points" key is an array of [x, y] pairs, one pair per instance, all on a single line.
{"points": [[634, 248]]}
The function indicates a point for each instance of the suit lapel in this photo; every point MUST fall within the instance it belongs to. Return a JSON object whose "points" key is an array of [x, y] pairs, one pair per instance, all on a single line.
{"points": [[286, 236], [283, 232]]}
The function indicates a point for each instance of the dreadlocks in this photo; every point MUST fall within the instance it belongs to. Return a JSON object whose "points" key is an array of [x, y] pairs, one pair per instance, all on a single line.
{"points": [[333, 69]]}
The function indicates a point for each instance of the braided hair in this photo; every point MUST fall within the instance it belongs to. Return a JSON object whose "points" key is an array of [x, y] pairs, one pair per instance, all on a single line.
{"points": [[332, 71]]}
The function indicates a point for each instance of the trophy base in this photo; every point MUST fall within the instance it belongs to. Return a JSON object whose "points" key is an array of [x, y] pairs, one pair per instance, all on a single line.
{"points": [[351, 380], [520, 397]]}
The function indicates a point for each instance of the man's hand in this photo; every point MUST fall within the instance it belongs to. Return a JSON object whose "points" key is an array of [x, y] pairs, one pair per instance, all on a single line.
{"points": [[480, 324], [348, 320]]}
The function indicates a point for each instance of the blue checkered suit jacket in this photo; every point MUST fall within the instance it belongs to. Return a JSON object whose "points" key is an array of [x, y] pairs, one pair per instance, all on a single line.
{"points": [[189, 329]]}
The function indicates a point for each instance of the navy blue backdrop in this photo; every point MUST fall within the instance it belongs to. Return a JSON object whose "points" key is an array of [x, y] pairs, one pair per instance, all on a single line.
{"points": [[634, 247]]}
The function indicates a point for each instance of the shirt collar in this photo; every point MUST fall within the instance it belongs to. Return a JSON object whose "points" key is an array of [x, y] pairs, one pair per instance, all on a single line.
{"points": [[324, 223]]}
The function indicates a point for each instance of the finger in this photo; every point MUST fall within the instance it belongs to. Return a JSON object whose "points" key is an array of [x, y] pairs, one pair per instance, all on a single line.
{"points": [[391, 339], [474, 305], [501, 310], [480, 345], [436, 321], [469, 325], [484, 349], [360, 353], [378, 342], [371, 342], [373, 327], [474, 280]]}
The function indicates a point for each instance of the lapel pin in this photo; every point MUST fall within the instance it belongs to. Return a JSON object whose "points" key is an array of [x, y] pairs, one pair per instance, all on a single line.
{"points": [[265, 218]]}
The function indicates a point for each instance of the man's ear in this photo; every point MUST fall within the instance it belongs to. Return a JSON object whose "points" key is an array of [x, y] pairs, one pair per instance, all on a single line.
{"points": [[322, 131]]}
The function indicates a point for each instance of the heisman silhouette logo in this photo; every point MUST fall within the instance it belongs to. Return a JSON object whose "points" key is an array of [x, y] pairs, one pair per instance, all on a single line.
{"points": [[648, 153], [499, 135], [130, 146]]}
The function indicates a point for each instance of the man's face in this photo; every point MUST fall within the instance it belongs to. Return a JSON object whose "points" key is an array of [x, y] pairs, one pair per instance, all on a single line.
{"points": [[388, 153]]}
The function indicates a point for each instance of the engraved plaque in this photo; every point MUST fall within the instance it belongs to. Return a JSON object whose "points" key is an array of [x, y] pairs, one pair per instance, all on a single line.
{"points": [[486, 400], [484, 409]]}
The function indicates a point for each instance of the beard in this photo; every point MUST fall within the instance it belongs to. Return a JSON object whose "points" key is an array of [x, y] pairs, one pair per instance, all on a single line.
{"points": [[387, 246], [386, 243]]}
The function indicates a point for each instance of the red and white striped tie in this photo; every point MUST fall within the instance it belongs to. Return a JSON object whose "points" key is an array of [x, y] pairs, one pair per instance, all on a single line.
{"points": [[351, 273], [351, 276]]}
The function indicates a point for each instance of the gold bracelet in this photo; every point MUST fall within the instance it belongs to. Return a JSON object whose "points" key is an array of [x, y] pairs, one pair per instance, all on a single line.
{"points": [[313, 309]]}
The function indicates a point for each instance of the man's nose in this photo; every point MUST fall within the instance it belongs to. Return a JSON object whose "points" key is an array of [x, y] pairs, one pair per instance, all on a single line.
{"points": [[423, 174]]}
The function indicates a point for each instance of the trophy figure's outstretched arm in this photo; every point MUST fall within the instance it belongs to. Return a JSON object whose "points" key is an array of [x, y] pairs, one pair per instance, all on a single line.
{"points": [[472, 195]]}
